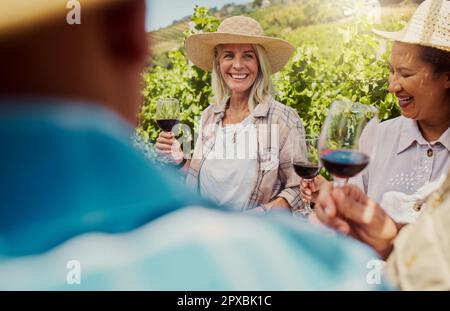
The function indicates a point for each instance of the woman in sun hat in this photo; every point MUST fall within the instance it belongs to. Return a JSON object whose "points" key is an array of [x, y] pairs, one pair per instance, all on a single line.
{"points": [[411, 151], [243, 155]]}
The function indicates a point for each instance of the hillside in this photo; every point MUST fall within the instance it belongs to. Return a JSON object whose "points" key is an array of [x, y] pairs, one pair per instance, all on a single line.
{"points": [[275, 16], [294, 20]]}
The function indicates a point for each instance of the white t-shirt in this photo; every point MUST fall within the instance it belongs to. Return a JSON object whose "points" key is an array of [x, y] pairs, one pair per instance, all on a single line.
{"points": [[404, 167], [229, 172]]}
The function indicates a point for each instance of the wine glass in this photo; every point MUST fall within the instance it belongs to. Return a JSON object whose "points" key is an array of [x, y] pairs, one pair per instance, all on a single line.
{"points": [[167, 113], [339, 144], [307, 164]]}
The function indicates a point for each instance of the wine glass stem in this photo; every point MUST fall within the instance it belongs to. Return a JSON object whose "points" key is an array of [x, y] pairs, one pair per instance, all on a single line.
{"points": [[308, 208]]}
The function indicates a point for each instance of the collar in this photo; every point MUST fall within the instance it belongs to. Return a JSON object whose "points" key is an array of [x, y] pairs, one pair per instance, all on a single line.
{"points": [[410, 133], [445, 139], [260, 111]]}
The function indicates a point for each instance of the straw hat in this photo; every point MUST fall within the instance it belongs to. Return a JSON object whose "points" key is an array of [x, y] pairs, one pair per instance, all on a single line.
{"points": [[20, 15], [429, 26], [234, 30]]}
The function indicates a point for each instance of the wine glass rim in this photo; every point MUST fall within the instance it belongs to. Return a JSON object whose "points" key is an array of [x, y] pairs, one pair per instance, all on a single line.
{"points": [[369, 108], [167, 99]]}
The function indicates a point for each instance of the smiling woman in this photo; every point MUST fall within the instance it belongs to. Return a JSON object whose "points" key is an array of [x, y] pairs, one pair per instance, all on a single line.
{"points": [[243, 155], [412, 152], [420, 80]]}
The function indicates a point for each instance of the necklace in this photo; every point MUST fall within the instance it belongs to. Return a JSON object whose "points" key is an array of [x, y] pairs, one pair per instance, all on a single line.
{"points": [[242, 124]]}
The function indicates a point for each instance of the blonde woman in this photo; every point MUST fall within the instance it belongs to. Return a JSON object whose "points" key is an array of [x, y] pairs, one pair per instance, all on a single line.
{"points": [[243, 155]]}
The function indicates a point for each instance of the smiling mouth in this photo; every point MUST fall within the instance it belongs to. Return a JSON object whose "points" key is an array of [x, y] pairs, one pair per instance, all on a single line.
{"points": [[405, 101], [239, 76]]}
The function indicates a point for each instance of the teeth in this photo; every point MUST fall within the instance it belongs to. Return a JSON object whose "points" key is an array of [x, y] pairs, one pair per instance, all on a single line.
{"points": [[405, 99], [239, 76]]}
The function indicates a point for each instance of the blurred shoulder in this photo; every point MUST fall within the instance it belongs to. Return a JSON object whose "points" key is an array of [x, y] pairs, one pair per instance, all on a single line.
{"points": [[218, 248]]}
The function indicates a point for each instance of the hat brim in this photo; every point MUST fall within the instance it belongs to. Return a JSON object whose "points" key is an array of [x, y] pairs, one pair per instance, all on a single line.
{"points": [[402, 36], [200, 48], [18, 15], [391, 35]]}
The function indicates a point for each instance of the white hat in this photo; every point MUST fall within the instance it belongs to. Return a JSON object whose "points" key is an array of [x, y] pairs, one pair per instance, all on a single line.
{"points": [[429, 26]]}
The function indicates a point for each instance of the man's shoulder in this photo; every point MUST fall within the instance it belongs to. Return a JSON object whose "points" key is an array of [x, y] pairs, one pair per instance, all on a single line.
{"points": [[197, 248]]}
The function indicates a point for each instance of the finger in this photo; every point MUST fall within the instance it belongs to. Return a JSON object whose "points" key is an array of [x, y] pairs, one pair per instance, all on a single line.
{"points": [[163, 147], [304, 184], [306, 198], [340, 225], [325, 202], [319, 180], [354, 192], [163, 140], [321, 215], [361, 213], [167, 135]]}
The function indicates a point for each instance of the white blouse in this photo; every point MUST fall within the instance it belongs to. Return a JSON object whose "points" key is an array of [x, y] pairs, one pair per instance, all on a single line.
{"points": [[404, 167], [229, 172]]}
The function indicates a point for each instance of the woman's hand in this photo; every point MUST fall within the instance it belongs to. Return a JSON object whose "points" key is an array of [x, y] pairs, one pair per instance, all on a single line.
{"points": [[309, 189], [166, 145], [350, 211]]}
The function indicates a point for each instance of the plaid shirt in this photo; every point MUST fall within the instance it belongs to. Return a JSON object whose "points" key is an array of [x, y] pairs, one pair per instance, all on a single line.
{"points": [[277, 126]]}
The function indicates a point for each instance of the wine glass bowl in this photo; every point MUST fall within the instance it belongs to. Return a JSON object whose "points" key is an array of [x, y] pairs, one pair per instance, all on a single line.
{"points": [[339, 144], [167, 113]]}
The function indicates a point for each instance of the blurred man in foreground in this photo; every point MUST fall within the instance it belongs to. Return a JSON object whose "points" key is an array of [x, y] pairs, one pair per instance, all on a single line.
{"points": [[81, 209]]}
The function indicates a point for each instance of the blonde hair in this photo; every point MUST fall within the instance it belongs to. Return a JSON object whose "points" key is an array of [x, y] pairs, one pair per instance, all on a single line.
{"points": [[261, 89]]}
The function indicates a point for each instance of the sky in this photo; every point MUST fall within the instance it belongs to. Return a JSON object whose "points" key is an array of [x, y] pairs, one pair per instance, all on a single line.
{"points": [[161, 13]]}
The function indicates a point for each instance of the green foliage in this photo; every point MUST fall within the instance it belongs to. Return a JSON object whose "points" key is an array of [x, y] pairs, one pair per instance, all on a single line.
{"points": [[352, 67], [355, 71], [202, 21]]}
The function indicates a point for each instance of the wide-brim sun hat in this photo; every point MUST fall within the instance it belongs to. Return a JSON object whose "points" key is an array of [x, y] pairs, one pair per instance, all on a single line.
{"points": [[24, 15], [429, 26], [200, 48]]}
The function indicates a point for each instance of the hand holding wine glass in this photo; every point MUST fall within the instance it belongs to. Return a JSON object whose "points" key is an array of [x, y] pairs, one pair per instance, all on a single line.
{"points": [[340, 138], [307, 163], [167, 116], [309, 189]]}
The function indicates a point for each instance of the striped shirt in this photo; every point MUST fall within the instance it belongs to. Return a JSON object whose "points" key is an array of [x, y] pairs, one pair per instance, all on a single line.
{"points": [[277, 127]]}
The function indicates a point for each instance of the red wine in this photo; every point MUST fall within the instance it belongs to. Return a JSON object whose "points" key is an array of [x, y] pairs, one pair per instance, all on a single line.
{"points": [[306, 170], [167, 124], [344, 163]]}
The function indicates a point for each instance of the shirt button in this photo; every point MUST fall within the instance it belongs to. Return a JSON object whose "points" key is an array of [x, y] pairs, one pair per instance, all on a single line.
{"points": [[417, 206], [430, 152]]}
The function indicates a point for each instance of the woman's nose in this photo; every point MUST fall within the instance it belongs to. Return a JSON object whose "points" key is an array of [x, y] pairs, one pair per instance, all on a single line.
{"points": [[394, 85], [237, 64]]}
